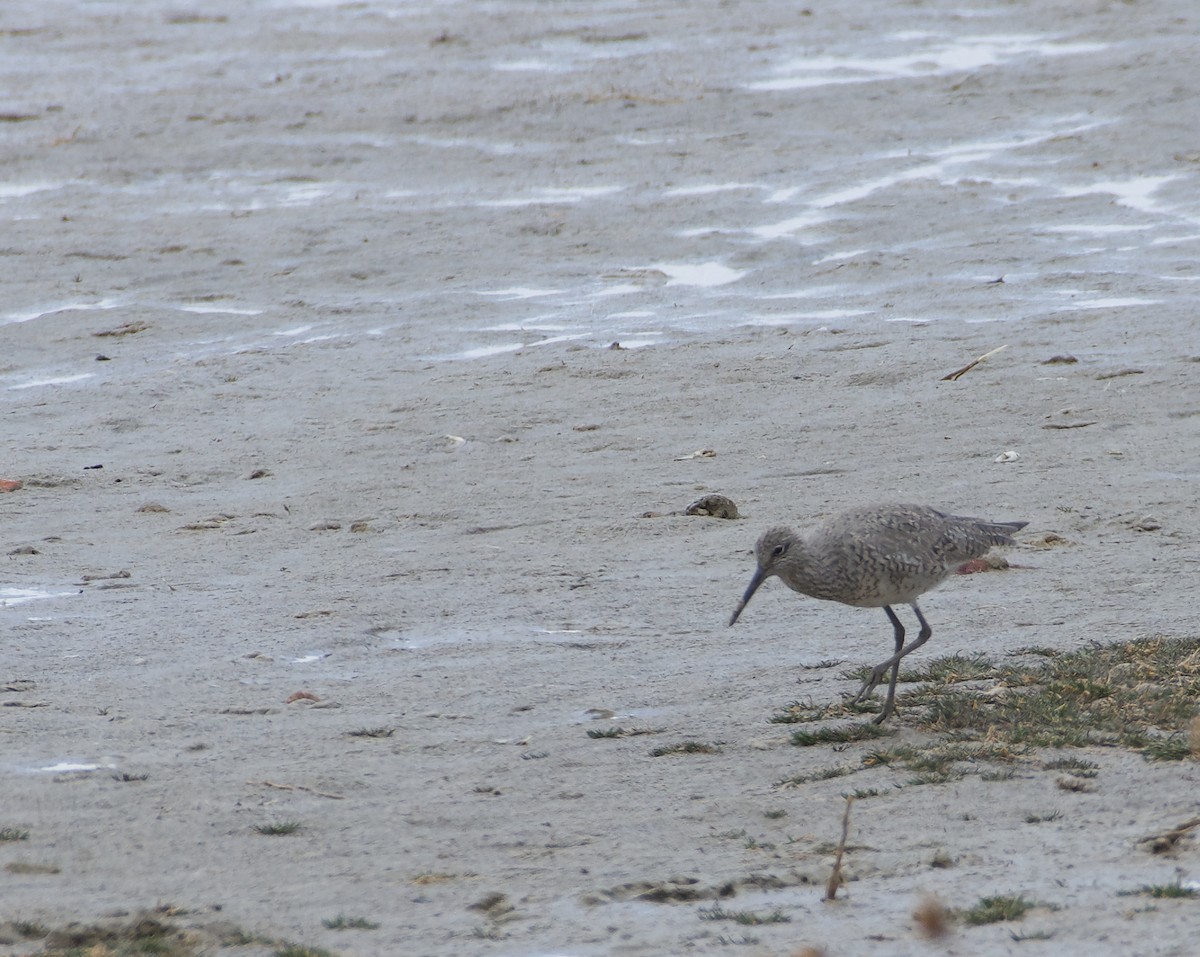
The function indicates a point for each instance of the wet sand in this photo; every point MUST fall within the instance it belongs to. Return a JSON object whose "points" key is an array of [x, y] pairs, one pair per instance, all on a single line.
{"points": [[481, 560]]}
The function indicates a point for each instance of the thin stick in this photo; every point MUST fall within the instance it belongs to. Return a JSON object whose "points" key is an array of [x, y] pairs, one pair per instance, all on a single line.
{"points": [[1168, 839], [835, 878], [299, 787], [959, 373]]}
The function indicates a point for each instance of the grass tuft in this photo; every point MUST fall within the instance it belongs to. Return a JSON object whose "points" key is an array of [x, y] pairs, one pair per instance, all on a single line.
{"points": [[1138, 694], [953, 669], [1176, 890], [278, 828], [1173, 748], [342, 922], [860, 794], [989, 910], [1076, 767], [1030, 935], [838, 735], [824, 774], [746, 917], [1124, 693], [937, 762], [687, 747], [806, 712], [619, 732], [30, 929]]}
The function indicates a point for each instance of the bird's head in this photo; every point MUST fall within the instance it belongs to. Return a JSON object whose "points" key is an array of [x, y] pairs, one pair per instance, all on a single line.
{"points": [[770, 552]]}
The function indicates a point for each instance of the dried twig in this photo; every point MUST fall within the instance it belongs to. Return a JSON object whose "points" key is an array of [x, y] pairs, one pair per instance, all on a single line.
{"points": [[835, 878], [299, 787], [1161, 843], [959, 373]]}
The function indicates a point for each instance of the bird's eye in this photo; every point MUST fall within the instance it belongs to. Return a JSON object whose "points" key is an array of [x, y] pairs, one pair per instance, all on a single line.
{"points": [[778, 550]]}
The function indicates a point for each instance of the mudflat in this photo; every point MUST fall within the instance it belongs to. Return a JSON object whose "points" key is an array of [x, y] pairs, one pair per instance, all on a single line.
{"points": [[333, 626]]}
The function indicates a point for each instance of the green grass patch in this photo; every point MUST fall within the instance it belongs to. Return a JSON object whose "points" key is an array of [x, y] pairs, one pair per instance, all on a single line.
{"points": [[861, 794], [806, 712], [747, 917], [1139, 694], [687, 747], [953, 669], [342, 922], [140, 936], [1076, 767], [13, 834], [824, 774], [619, 732], [937, 762], [1163, 891], [990, 910], [153, 932], [30, 929], [1127, 693], [371, 732], [1174, 748], [278, 828], [839, 735]]}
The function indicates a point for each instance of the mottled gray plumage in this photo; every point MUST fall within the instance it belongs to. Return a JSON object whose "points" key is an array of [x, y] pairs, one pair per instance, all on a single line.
{"points": [[875, 557]]}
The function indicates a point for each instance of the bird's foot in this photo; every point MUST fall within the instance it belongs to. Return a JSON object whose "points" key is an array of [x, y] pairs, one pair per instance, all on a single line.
{"points": [[889, 709], [872, 682]]}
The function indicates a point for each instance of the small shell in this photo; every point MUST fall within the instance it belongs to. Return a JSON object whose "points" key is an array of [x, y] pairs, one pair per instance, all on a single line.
{"points": [[1010, 456]]}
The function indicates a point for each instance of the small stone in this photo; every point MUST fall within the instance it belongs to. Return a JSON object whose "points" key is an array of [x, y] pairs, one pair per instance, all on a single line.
{"points": [[716, 506]]}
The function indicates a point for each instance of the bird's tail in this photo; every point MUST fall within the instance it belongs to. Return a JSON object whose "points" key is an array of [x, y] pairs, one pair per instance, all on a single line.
{"points": [[1000, 533]]}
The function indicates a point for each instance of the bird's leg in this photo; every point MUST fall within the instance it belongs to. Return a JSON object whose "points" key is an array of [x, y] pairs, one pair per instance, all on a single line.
{"points": [[879, 671], [922, 636], [889, 705]]}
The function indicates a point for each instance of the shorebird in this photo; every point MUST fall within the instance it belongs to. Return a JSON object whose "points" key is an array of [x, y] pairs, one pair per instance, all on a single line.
{"points": [[875, 557]]}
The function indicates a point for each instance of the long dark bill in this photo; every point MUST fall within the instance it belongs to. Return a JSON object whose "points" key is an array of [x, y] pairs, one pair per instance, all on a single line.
{"points": [[757, 580]]}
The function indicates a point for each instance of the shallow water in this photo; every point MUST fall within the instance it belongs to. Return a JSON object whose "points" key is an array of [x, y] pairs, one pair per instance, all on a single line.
{"points": [[584, 175]]}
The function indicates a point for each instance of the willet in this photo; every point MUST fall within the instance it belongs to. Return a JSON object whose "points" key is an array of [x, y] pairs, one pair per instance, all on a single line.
{"points": [[875, 557]]}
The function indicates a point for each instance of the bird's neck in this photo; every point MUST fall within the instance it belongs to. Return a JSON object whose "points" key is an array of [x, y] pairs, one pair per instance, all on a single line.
{"points": [[802, 571]]}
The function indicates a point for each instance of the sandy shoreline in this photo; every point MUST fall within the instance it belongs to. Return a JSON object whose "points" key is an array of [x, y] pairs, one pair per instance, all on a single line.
{"points": [[502, 587], [456, 555]]}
